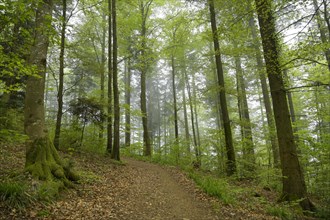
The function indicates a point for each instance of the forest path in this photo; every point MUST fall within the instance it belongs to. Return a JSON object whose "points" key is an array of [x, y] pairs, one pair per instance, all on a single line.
{"points": [[137, 190]]}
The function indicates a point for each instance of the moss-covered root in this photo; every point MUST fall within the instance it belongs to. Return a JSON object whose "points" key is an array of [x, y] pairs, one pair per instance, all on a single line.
{"points": [[44, 163], [305, 203]]}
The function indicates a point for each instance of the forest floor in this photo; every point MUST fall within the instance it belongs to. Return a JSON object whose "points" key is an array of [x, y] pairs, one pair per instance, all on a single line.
{"points": [[130, 190]]}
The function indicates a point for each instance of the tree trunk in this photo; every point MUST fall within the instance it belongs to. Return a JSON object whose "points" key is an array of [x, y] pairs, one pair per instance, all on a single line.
{"points": [[42, 159], [231, 161], [246, 129], [265, 95], [110, 109], [146, 140], [61, 80], [322, 29], [185, 114], [196, 147], [196, 115], [115, 154], [128, 104], [102, 74], [176, 129], [294, 187]]}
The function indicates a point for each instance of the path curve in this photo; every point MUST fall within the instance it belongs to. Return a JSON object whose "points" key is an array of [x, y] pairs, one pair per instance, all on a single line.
{"points": [[136, 191]]}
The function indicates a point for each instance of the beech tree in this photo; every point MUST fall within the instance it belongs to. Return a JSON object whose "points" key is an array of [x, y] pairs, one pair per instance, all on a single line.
{"points": [[42, 159], [293, 182], [61, 79], [144, 7], [116, 136], [231, 161]]}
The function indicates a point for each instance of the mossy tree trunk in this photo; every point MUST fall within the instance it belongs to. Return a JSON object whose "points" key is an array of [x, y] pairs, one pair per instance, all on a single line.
{"points": [[42, 159]]}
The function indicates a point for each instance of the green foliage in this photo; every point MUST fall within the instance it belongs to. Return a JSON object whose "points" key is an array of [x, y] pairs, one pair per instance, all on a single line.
{"points": [[14, 194], [270, 178], [70, 139], [12, 136], [135, 149], [49, 190], [323, 212], [87, 110], [280, 211], [43, 213], [214, 187]]}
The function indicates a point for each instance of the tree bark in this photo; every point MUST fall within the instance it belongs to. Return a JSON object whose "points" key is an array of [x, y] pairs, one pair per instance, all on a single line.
{"points": [[110, 109], [265, 95], [42, 159], [322, 29], [192, 118], [115, 154], [293, 182], [102, 74], [246, 129], [144, 8], [185, 114], [128, 104], [61, 80], [231, 161], [176, 128]]}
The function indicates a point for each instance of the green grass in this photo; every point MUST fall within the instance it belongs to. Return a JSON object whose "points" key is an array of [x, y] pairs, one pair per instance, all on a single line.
{"points": [[14, 194], [49, 190], [214, 187], [279, 211]]}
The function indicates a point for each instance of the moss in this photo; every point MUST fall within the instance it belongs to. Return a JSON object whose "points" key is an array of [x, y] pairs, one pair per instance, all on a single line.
{"points": [[44, 163], [49, 190]]}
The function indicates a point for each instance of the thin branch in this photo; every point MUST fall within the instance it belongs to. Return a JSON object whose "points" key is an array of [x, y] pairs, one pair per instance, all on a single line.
{"points": [[306, 59], [316, 84]]}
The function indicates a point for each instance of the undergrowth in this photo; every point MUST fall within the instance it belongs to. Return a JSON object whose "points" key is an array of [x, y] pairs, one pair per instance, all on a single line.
{"points": [[214, 187], [14, 194]]}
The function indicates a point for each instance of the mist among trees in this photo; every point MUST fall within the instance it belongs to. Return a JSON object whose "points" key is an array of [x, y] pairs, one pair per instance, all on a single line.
{"points": [[239, 89]]}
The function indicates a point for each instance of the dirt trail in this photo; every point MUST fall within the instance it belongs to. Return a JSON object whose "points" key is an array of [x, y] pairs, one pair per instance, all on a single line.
{"points": [[134, 191], [138, 190], [156, 194]]}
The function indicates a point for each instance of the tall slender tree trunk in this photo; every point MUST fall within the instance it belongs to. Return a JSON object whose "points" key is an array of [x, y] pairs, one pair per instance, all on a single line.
{"points": [[102, 74], [146, 140], [42, 159], [265, 95], [196, 115], [294, 187], [322, 28], [231, 161], [192, 118], [110, 109], [176, 128], [61, 80], [246, 129], [128, 104], [115, 154], [185, 114]]}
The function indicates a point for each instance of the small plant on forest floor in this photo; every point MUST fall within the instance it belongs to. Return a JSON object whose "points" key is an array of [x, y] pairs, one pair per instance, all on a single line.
{"points": [[49, 190], [279, 211], [214, 187], [43, 213], [14, 194]]}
